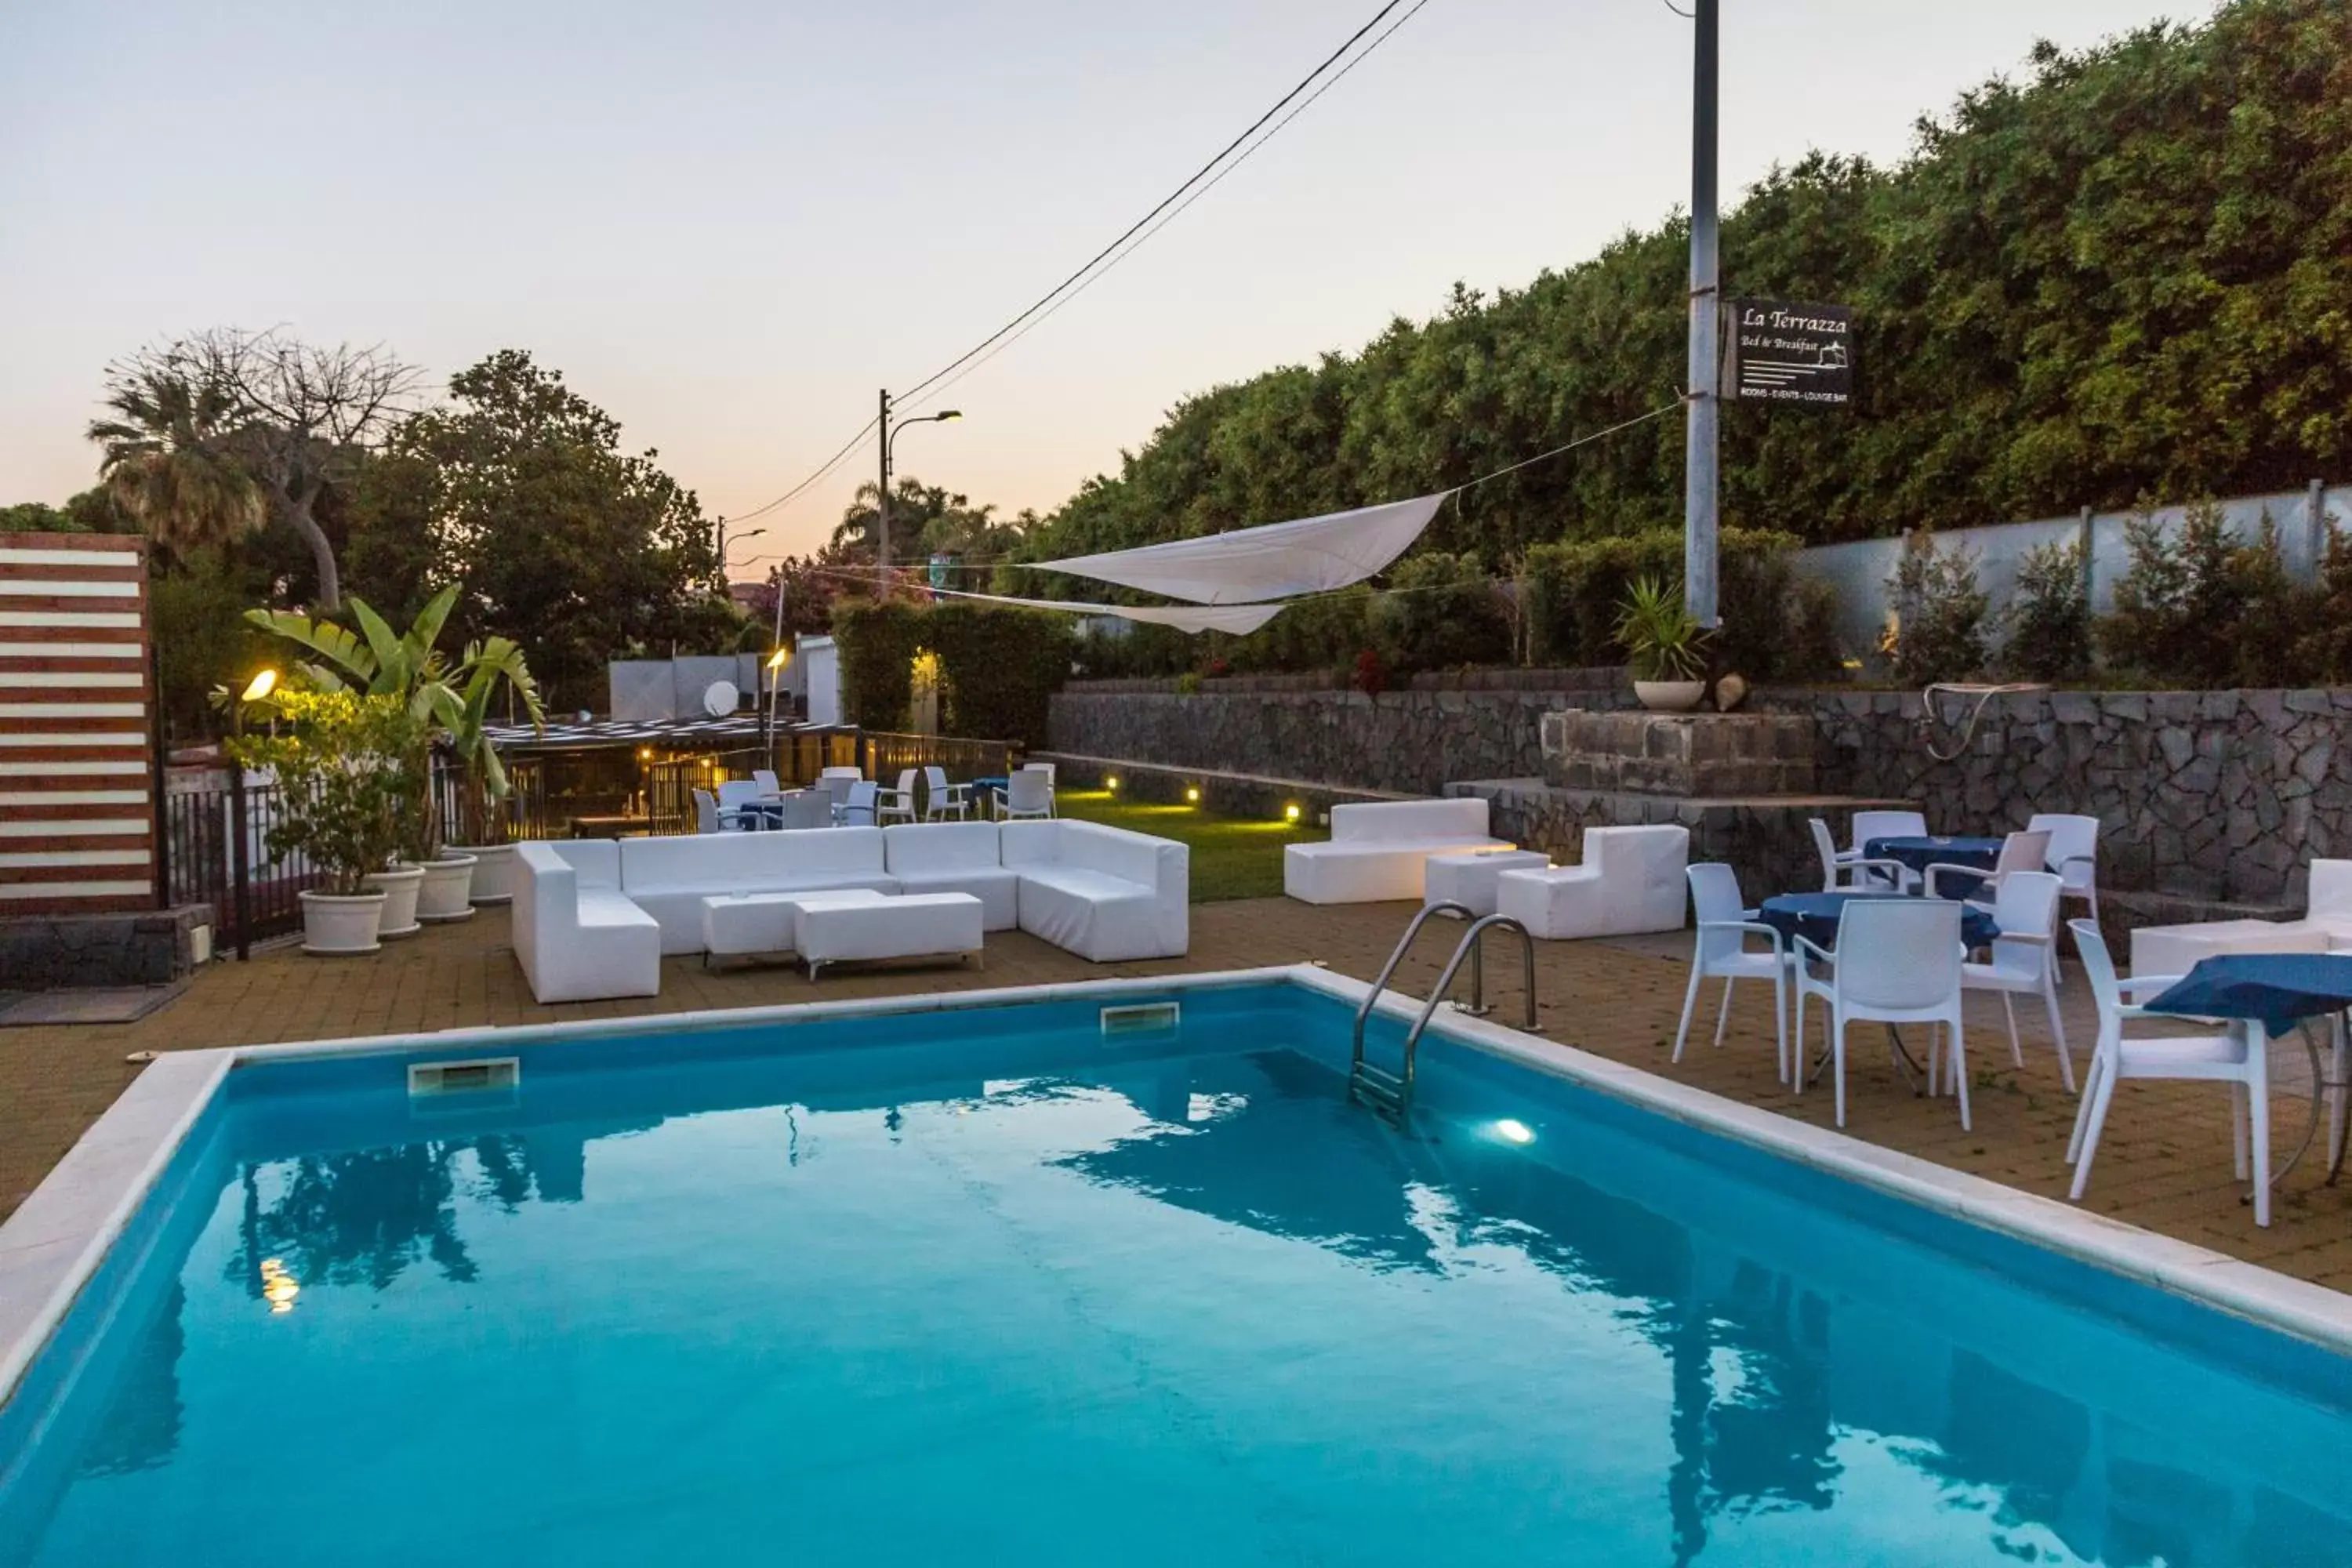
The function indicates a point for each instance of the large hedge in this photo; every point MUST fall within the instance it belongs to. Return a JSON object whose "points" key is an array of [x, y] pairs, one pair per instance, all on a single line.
{"points": [[2129, 274], [998, 668], [1771, 629]]}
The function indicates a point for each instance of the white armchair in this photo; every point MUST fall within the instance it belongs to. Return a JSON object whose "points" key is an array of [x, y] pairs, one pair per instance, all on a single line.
{"points": [[2025, 958], [1845, 871], [1630, 882], [1897, 961], [2074, 854], [941, 799], [1722, 952]]}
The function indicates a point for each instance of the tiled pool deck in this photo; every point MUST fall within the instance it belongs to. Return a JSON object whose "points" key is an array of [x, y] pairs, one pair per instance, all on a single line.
{"points": [[2165, 1163]]}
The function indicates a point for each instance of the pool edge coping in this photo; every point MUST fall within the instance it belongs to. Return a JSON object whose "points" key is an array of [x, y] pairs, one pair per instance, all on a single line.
{"points": [[54, 1243]]}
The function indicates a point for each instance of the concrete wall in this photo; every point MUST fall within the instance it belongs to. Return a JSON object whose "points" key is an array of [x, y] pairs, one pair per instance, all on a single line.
{"points": [[1859, 571]]}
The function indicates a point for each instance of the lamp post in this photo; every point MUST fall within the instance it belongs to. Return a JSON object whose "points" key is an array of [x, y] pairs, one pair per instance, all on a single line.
{"points": [[240, 857], [882, 496], [1702, 412], [723, 549]]}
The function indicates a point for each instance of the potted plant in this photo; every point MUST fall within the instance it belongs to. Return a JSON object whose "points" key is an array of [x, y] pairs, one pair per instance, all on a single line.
{"points": [[451, 703], [339, 761], [1662, 642]]}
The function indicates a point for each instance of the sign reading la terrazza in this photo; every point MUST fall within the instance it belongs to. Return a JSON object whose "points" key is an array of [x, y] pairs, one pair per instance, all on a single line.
{"points": [[1782, 352]]}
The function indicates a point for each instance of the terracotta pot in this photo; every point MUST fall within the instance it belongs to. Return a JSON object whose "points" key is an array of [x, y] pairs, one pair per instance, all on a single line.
{"points": [[1669, 696], [446, 892], [400, 887], [493, 871], [340, 923]]}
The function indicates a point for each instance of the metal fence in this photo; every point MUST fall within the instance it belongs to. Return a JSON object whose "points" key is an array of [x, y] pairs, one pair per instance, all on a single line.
{"points": [[219, 855]]}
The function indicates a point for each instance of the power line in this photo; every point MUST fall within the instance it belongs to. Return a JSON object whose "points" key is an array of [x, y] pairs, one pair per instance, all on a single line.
{"points": [[1165, 202], [829, 465], [1145, 237]]}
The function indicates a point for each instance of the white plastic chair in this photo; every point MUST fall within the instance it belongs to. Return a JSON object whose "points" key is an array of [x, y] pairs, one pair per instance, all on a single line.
{"points": [[1721, 952], [834, 784], [858, 809], [896, 805], [2026, 851], [1048, 770], [705, 812], [1844, 870], [2240, 1058], [808, 808], [2074, 854], [2024, 958], [1897, 961], [735, 804], [1027, 793], [766, 779], [942, 799]]}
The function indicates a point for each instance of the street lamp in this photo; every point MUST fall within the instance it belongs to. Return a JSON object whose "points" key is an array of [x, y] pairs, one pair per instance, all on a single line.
{"points": [[882, 497], [722, 547]]}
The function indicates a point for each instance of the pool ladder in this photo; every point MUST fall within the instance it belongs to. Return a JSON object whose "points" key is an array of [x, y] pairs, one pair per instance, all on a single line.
{"points": [[1389, 1094]]}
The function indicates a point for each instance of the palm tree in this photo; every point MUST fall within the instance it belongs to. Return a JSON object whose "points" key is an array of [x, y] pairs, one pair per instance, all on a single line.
{"points": [[169, 463]]}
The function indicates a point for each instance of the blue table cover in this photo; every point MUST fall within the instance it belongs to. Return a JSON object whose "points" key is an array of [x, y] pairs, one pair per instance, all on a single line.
{"points": [[2282, 989], [1921, 853], [1814, 917]]}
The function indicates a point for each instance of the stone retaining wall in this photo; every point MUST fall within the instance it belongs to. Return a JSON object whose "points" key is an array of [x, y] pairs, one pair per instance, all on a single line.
{"points": [[2210, 794], [43, 953]]}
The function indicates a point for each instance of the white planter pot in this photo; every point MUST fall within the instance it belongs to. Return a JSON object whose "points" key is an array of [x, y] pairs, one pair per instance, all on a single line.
{"points": [[1669, 696], [493, 871], [400, 887], [335, 923], [447, 885]]}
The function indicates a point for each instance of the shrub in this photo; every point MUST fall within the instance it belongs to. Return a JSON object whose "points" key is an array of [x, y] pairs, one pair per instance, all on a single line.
{"points": [[2323, 652], [1372, 677], [1661, 638], [2048, 620], [346, 765], [998, 668], [878, 644], [2203, 609], [1939, 628], [1439, 611], [1571, 592]]}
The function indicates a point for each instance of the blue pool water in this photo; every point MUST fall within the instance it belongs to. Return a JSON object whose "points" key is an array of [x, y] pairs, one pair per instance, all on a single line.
{"points": [[990, 1287]]}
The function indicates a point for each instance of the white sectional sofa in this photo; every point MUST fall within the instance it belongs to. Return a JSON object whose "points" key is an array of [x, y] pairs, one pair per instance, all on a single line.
{"points": [[1378, 850], [1630, 882], [669, 878], [2326, 927], [577, 936], [1103, 893], [955, 858]]}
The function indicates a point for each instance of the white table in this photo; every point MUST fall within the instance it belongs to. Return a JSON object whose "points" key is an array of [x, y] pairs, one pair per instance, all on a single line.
{"points": [[911, 925], [736, 925], [1469, 879]]}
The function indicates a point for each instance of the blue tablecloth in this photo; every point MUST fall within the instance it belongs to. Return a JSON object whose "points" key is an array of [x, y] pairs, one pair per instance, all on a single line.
{"points": [[1921, 853], [1814, 917], [2281, 989]]}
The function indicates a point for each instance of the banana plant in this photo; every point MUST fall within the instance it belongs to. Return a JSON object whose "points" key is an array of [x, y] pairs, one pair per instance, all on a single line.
{"points": [[451, 702]]}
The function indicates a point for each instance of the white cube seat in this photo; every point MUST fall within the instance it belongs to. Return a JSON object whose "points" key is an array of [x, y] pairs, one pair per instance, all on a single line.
{"points": [[1379, 849], [956, 858], [1470, 879], [1631, 882], [736, 924], [579, 940], [919, 925]]}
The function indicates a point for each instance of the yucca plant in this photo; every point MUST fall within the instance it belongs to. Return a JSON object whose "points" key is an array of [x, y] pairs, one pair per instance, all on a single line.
{"points": [[1662, 640]]}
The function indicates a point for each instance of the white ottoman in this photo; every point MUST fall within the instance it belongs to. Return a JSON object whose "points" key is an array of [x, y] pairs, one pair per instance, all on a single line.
{"points": [[913, 925], [1469, 879], [735, 924]]}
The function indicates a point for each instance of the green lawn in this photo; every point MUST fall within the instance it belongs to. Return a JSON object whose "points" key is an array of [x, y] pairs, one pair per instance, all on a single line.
{"points": [[1232, 858]]}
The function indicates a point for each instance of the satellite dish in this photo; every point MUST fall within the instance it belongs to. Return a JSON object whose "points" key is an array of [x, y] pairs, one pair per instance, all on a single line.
{"points": [[719, 698]]}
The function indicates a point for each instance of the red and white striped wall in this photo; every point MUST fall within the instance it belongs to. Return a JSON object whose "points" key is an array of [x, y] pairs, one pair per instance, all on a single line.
{"points": [[77, 763]]}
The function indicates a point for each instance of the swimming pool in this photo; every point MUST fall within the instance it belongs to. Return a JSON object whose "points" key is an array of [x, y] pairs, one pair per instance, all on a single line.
{"points": [[997, 1285]]}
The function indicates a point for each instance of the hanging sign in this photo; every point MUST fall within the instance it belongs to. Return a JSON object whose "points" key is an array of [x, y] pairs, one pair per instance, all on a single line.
{"points": [[1785, 351]]}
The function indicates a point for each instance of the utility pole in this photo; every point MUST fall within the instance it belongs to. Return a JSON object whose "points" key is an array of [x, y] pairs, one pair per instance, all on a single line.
{"points": [[882, 496], [1706, 330]]}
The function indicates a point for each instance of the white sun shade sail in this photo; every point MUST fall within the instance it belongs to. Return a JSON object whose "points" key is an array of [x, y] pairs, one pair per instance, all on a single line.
{"points": [[1238, 619], [1250, 566]]}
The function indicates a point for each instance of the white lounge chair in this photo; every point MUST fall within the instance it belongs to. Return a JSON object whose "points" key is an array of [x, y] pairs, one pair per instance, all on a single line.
{"points": [[1721, 953], [1630, 881], [1897, 961], [2024, 958], [1380, 851], [577, 937]]}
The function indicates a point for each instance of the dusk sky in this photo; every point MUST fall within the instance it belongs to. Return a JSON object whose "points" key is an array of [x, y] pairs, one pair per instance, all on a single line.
{"points": [[729, 223]]}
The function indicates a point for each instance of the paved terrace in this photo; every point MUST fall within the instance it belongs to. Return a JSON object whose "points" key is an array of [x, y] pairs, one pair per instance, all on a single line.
{"points": [[2165, 1162]]}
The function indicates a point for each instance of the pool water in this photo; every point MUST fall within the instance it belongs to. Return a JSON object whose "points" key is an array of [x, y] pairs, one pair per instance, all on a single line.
{"points": [[996, 1288]]}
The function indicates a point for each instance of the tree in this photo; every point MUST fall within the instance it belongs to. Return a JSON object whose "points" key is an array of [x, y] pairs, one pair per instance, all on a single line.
{"points": [[169, 458], [927, 519], [291, 417], [518, 493]]}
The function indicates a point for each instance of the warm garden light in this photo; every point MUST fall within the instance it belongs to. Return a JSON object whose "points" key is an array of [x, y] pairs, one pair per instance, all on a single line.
{"points": [[260, 686], [1192, 795], [778, 660], [1290, 813], [1111, 784]]}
